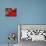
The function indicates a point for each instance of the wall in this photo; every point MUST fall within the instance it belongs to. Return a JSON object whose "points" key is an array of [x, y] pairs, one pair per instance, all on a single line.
{"points": [[28, 12]]}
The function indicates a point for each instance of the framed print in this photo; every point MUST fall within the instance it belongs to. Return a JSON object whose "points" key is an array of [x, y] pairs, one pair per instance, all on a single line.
{"points": [[11, 12]]}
